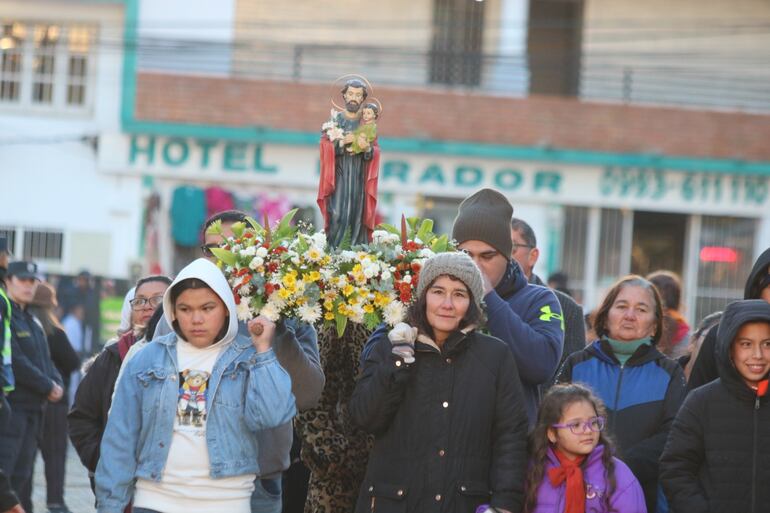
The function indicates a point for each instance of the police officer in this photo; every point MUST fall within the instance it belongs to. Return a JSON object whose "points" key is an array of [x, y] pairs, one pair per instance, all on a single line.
{"points": [[36, 381]]}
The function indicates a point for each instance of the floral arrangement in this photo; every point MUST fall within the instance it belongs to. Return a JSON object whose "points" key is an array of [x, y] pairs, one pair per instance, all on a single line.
{"points": [[288, 272], [273, 273], [331, 129]]}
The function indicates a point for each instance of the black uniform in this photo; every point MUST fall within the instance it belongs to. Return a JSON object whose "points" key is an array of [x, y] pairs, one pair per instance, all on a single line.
{"points": [[35, 376]]}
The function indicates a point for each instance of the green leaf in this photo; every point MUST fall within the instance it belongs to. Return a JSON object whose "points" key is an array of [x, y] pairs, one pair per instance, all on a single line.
{"points": [[255, 225], [215, 228], [225, 256], [389, 228], [425, 233], [238, 229], [371, 320], [440, 244], [341, 321], [346, 241]]}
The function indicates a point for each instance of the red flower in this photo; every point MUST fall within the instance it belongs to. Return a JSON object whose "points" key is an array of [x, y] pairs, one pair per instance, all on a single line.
{"points": [[279, 249], [237, 298], [248, 235], [272, 267], [416, 267], [405, 297]]}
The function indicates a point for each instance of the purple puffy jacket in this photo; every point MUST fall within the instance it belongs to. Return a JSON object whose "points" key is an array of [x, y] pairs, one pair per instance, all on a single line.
{"points": [[628, 496]]}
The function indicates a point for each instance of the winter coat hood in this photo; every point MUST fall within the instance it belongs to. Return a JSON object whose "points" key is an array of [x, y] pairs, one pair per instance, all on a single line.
{"points": [[210, 274], [759, 270], [736, 315], [512, 282]]}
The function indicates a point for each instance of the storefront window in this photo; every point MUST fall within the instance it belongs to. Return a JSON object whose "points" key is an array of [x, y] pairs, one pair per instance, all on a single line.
{"points": [[726, 254]]}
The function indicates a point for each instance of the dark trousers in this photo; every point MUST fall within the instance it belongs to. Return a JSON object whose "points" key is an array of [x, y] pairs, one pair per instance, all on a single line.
{"points": [[53, 448], [18, 447]]}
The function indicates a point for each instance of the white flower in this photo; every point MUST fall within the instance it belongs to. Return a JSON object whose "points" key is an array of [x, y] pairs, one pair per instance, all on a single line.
{"points": [[309, 314], [327, 274], [380, 236], [262, 251], [369, 272], [385, 275], [393, 313], [256, 262], [250, 251], [243, 311], [348, 256], [426, 253], [245, 290], [407, 278], [357, 314], [270, 311], [319, 240]]}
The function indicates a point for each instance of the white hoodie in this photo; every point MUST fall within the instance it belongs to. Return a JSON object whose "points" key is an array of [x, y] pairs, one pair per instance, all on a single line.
{"points": [[185, 485]]}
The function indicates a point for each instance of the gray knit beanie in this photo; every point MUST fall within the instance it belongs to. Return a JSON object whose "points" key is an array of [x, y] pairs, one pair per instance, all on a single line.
{"points": [[485, 216], [456, 264]]}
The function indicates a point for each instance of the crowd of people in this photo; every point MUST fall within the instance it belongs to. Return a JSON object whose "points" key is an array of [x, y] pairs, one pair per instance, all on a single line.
{"points": [[496, 394]]}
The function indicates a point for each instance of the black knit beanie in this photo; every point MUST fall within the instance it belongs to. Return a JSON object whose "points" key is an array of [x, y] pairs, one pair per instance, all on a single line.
{"points": [[485, 216]]}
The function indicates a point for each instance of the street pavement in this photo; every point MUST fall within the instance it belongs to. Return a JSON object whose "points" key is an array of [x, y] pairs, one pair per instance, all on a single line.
{"points": [[77, 490]]}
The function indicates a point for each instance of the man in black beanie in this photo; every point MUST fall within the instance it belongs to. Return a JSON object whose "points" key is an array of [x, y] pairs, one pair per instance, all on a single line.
{"points": [[525, 316]]}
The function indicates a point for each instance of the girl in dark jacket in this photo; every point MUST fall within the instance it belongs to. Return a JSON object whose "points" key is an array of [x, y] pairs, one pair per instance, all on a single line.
{"points": [[640, 386], [717, 457], [93, 399], [445, 404]]}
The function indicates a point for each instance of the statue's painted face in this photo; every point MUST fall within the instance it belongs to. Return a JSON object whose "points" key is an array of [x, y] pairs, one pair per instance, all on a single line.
{"points": [[353, 98], [368, 115]]}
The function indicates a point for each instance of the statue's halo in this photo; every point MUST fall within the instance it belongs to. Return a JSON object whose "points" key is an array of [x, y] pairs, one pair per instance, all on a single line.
{"points": [[340, 83]]}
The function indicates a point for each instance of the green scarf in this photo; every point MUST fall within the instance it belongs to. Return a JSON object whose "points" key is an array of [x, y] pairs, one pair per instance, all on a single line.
{"points": [[624, 350]]}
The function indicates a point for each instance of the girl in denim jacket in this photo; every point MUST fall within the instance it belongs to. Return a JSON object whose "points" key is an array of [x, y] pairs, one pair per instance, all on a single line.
{"points": [[181, 436]]}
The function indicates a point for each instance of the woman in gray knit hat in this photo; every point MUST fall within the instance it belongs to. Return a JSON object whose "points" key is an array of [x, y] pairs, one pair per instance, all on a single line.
{"points": [[444, 402]]}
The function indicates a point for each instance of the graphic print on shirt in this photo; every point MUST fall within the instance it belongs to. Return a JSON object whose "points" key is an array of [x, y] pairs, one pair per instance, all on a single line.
{"points": [[191, 406]]}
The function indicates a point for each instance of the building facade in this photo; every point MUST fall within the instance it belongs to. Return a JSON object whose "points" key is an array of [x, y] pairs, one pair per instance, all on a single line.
{"points": [[230, 100]]}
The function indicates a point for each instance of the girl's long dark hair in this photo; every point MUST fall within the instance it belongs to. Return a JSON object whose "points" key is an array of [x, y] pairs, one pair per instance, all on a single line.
{"points": [[554, 403]]}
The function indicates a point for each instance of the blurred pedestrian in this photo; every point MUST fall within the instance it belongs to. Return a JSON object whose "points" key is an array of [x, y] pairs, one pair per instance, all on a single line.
{"points": [[88, 417], [640, 386], [181, 436], [444, 402], [705, 370], [37, 381], [696, 341], [6, 368], [572, 465], [53, 444], [559, 281], [526, 253], [526, 317], [717, 452], [676, 331], [9, 503]]}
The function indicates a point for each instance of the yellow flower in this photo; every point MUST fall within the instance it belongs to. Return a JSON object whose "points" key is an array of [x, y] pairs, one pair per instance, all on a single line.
{"points": [[329, 304], [311, 277], [348, 290], [368, 308], [284, 293], [329, 316]]}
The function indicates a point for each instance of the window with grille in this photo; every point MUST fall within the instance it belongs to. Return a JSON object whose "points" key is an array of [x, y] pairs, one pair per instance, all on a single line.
{"points": [[42, 245], [456, 52], [46, 64], [10, 236]]}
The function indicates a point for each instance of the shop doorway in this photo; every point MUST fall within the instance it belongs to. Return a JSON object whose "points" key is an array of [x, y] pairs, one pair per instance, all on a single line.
{"points": [[658, 242]]}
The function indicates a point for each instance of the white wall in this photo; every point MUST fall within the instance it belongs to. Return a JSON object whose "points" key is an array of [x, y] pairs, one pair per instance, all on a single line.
{"points": [[50, 178]]}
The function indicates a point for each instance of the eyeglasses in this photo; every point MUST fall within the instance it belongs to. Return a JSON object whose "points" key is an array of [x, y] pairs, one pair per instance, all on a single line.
{"points": [[206, 249], [140, 302], [516, 246], [594, 424]]}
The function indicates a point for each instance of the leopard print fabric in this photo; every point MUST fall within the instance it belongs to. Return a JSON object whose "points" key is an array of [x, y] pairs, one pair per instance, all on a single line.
{"points": [[335, 451]]}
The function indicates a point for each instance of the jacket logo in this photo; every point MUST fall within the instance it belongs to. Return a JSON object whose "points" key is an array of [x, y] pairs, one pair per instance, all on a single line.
{"points": [[21, 334], [548, 315]]}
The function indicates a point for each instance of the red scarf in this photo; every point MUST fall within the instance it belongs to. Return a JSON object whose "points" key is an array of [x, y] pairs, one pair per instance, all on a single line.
{"points": [[571, 472], [124, 344]]}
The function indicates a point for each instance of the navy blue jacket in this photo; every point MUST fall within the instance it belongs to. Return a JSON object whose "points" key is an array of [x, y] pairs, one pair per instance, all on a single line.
{"points": [[642, 399], [33, 369], [529, 320]]}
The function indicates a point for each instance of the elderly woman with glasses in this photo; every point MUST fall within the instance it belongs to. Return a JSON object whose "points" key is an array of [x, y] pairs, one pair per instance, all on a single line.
{"points": [[640, 386], [93, 399]]}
